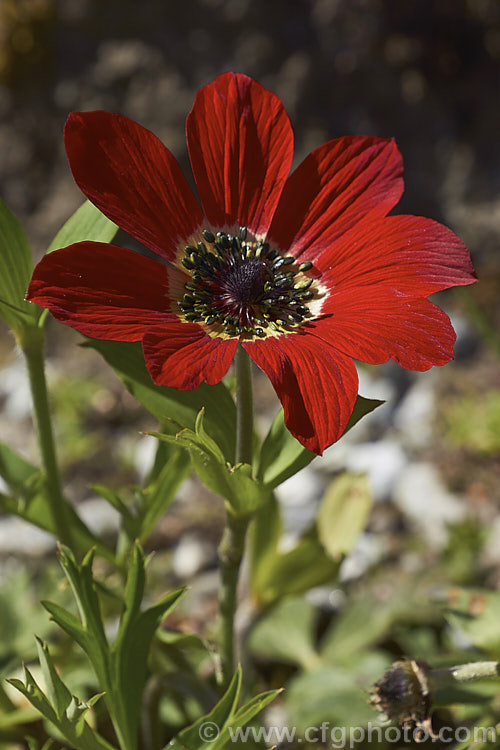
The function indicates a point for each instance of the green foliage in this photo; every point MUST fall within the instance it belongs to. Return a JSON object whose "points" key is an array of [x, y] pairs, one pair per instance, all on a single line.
{"points": [[149, 503], [63, 710], [316, 558], [344, 513], [29, 500], [121, 667], [475, 613], [217, 726], [169, 405], [243, 493], [297, 618], [16, 267], [87, 223]]}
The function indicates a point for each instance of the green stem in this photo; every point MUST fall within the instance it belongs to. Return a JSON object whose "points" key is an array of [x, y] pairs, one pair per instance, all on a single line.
{"points": [[33, 350], [478, 670], [232, 545], [244, 407]]}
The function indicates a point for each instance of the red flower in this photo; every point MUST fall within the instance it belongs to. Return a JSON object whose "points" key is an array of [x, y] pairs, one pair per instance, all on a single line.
{"points": [[306, 271]]}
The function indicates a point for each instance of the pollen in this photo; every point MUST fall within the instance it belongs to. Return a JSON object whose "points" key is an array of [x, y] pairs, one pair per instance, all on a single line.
{"points": [[243, 287]]}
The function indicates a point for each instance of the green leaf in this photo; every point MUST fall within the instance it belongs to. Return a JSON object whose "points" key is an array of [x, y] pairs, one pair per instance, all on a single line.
{"points": [[15, 470], [71, 723], [282, 456], [87, 223], [297, 618], [244, 716], [476, 613], [264, 536], [31, 502], [58, 694], [235, 483], [129, 652], [16, 267], [343, 513], [335, 694], [67, 622], [359, 627], [82, 585], [157, 497], [296, 571], [196, 737], [165, 403]]}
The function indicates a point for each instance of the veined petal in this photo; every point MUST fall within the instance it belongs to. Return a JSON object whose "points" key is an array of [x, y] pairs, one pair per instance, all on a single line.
{"points": [[241, 146], [105, 291], [182, 356], [410, 254], [316, 384], [127, 172], [373, 328], [334, 187]]}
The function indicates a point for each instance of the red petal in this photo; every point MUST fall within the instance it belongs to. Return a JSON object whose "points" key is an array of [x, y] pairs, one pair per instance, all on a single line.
{"points": [[368, 327], [338, 184], [132, 178], [410, 254], [182, 356], [241, 146], [104, 291], [316, 384]]}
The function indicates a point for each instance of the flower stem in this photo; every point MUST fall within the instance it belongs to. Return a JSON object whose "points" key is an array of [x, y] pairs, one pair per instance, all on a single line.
{"points": [[478, 670], [244, 407], [32, 346], [232, 544]]}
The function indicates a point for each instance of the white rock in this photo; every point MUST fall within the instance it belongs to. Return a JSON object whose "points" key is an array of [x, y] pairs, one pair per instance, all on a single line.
{"points": [[382, 461], [190, 555]]}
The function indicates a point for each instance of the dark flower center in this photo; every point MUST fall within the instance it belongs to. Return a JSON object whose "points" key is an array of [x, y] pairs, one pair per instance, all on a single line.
{"points": [[244, 287]]}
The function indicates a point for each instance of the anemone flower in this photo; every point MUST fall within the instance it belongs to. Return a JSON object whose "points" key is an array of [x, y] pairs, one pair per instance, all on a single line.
{"points": [[306, 271]]}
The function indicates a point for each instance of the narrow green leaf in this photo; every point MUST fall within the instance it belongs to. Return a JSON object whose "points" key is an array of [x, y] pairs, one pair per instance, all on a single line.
{"points": [[168, 403], [281, 455], [16, 267], [71, 724], [129, 653], [265, 533], [15, 470], [344, 513], [157, 497], [82, 585], [67, 622], [244, 716], [87, 223], [58, 693], [196, 736], [33, 506]]}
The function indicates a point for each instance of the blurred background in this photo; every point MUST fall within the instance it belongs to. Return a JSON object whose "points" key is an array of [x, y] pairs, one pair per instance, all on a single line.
{"points": [[425, 72]]}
